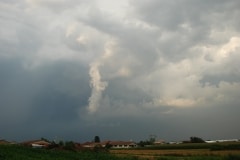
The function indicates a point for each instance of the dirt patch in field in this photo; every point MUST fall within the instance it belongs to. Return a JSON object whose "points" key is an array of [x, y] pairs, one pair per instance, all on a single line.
{"points": [[151, 154]]}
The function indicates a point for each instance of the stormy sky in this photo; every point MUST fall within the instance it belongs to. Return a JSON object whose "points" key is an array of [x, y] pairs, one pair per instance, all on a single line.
{"points": [[122, 70]]}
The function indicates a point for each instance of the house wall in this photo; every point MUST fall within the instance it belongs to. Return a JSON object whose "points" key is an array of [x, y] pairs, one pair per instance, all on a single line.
{"points": [[123, 146]]}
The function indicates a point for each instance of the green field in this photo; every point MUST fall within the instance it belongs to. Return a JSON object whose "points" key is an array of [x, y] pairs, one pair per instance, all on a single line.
{"points": [[179, 154], [16, 152], [210, 146], [164, 152], [185, 151]]}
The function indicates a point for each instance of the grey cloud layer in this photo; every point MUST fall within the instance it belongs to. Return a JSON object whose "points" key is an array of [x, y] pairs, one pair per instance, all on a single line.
{"points": [[76, 69]]}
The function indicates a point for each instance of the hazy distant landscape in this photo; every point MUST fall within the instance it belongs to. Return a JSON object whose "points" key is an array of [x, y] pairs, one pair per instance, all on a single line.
{"points": [[169, 152], [194, 149]]}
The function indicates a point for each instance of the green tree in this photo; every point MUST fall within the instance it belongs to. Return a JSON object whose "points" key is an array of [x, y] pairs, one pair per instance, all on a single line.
{"points": [[144, 143], [61, 143], [196, 140], [96, 139], [44, 139]]}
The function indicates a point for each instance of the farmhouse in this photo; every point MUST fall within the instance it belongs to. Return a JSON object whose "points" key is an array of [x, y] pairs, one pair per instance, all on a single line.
{"points": [[222, 140], [89, 144], [37, 143], [112, 144], [2, 141], [123, 144], [158, 142]]}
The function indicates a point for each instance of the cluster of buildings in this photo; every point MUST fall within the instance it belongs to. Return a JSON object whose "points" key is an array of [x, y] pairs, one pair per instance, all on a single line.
{"points": [[37, 143], [88, 145], [222, 140], [109, 144], [112, 144], [3, 141]]}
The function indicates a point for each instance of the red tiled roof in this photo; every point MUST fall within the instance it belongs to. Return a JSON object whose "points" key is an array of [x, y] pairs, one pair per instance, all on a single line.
{"points": [[38, 142], [2, 141]]}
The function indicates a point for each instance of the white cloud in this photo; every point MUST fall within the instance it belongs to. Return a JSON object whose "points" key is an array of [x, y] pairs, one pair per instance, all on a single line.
{"points": [[229, 48], [178, 102]]}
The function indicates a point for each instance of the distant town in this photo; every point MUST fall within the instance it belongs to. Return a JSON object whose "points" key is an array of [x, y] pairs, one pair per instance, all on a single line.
{"points": [[97, 143]]}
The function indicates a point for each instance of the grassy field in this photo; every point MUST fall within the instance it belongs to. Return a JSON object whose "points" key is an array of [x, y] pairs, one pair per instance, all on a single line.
{"points": [[223, 151], [179, 154], [204, 151], [15, 152]]}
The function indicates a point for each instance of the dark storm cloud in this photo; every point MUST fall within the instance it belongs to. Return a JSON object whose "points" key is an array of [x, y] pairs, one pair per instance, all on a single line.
{"points": [[65, 89], [42, 98], [76, 69]]}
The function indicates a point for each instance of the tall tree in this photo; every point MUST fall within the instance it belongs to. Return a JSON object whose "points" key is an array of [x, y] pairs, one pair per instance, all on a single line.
{"points": [[96, 139]]}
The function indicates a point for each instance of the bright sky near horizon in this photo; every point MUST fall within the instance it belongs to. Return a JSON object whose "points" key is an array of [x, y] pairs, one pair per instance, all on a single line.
{"points": [[121, 70]]}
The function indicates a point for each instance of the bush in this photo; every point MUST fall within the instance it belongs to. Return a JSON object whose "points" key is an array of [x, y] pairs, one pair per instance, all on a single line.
{"points": [[196, 140], [69, 146]]}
